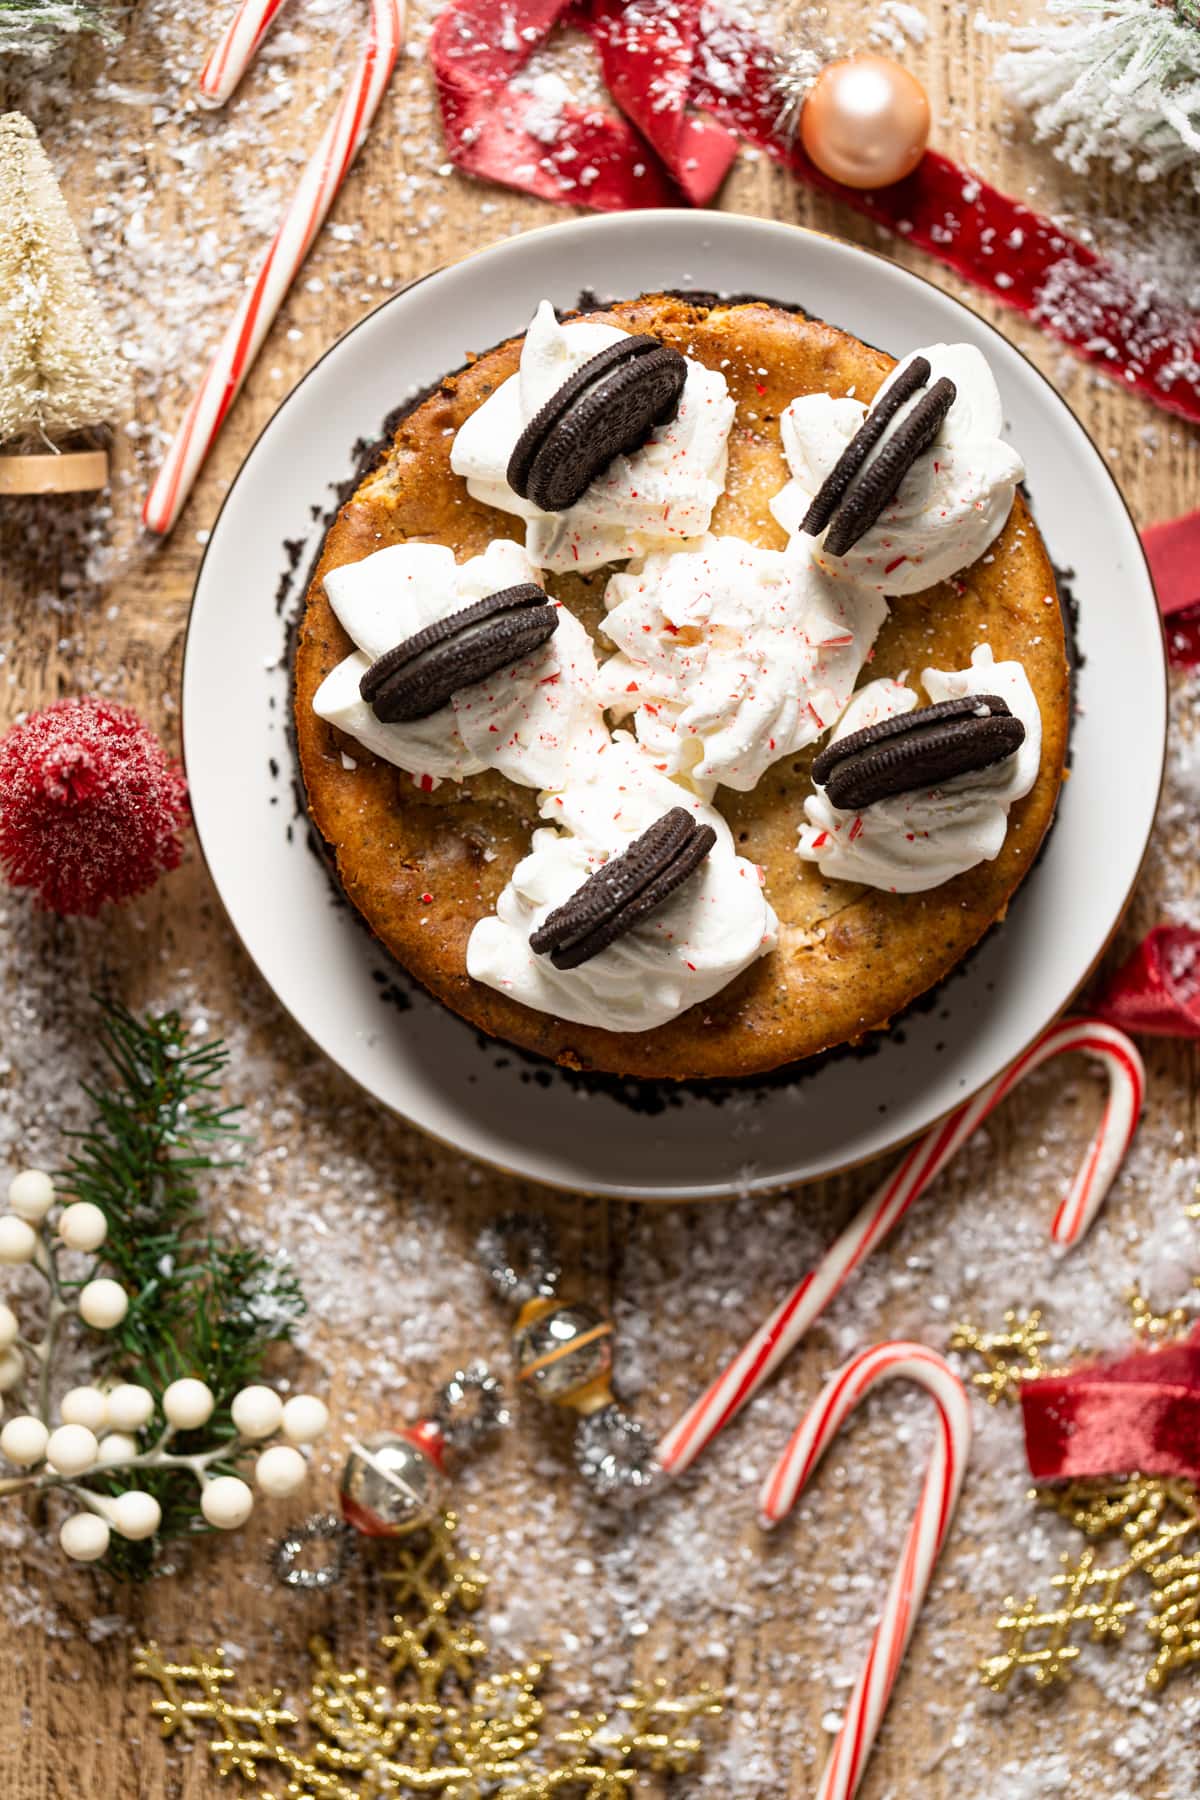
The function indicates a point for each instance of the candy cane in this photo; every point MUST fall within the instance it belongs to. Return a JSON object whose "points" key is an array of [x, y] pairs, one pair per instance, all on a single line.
{"points": [[921, 1164], [926, 1535], [235, 52], [323, 176]]}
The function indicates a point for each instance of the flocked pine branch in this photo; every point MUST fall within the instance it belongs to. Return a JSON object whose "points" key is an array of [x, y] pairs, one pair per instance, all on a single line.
{"points": [[156, 1448], [35, 28], [1110, 80]]}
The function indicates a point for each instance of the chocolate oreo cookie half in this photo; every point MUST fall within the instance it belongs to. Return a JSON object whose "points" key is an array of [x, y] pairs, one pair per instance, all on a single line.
{"points": [[607, 408], [911, 379], [917, 750], [880, 480], [625, 890], [419, 676]]}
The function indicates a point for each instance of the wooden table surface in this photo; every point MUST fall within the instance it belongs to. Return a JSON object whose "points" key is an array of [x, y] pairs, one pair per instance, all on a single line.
{"points": [[380, 1221]]}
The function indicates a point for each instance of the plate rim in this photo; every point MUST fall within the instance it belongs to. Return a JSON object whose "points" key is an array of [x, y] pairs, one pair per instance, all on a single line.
{"points": [[767, 1185]]}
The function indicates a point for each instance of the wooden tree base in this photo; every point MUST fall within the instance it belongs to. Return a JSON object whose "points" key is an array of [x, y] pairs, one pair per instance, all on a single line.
{"points": [[76, 472]]}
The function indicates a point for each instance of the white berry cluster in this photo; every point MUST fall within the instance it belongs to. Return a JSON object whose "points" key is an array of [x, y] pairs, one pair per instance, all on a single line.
{"points": [[25, 1237], [96, 1429]]}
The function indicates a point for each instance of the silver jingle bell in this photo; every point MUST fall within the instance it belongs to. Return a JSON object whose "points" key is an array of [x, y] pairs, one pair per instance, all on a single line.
{"points": [[393, 1484]]}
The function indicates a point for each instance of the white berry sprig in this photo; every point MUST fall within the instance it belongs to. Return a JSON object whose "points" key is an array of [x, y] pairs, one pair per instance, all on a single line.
{"points": [[94, 1439]]}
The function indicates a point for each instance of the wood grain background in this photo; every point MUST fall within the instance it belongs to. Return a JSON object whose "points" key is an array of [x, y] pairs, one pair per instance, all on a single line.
{"points": [[71, 1721]]}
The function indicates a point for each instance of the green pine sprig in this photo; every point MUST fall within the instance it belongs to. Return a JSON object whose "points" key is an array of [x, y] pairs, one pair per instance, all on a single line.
{"points": [[199, 1304]]}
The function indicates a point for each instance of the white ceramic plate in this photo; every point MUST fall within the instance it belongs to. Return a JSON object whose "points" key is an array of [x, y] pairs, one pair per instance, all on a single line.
{"points": [[482, 1097]]}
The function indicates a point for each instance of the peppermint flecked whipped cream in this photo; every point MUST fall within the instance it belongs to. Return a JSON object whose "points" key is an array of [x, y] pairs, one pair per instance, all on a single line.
{"points": [[663, 494], [911, 842], [714, 926], [528, 720], [730, 657], [950, 505]]}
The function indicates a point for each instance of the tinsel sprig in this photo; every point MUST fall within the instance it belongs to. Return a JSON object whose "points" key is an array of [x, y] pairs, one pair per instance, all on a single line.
{"points": [[188, 1317]]}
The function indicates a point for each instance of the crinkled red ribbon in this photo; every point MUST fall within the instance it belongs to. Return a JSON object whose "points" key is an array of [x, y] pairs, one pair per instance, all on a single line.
{"points": [[664, 61], [522, 137], [1173, 548], [1139, 1413], [1158, 990]]}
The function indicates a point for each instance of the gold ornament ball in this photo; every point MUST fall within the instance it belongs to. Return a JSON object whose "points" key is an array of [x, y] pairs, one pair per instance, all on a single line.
{"points": [[865, 122], [564, 1352]]}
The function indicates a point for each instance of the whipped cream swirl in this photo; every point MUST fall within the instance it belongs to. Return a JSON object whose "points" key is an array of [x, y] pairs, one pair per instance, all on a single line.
{"points": [[951, 504], [663, 494], [693, 945], [911, 842], [529, 720], [730, 657]]}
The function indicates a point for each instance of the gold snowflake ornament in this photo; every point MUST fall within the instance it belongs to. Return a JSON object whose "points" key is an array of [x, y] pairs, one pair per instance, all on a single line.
{"points": [[1155, 1524], [1152, 1579], [1011, 1356], [1039, 1641], [448, 1731], [1156, 1328]]}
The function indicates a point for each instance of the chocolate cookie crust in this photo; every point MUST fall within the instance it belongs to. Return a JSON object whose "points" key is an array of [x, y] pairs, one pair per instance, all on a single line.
{"points": [[422, 868]]}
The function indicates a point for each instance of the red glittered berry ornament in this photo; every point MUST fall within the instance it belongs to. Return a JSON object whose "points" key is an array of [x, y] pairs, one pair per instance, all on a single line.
{"points": [[90, 805]]}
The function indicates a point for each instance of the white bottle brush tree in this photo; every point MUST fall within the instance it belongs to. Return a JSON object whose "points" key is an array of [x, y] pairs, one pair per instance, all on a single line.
{"points": [[1110, 80], [61, 379], [169, 1437]]}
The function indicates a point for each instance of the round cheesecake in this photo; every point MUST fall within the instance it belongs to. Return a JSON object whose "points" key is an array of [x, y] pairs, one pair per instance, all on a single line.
{"points": [[425, 863]]}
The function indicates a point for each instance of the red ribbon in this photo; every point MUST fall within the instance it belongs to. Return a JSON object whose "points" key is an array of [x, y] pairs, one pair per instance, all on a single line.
{"points": [[1140, 1414], [1173, 548], [665, 60], [1158, 990], [648, 57], [576, 154]]}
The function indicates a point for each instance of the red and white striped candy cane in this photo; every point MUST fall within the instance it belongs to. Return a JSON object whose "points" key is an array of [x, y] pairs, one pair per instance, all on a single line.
{"points": [[323, 176], [921, 1164], [235, 52], [926, 1535]]}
